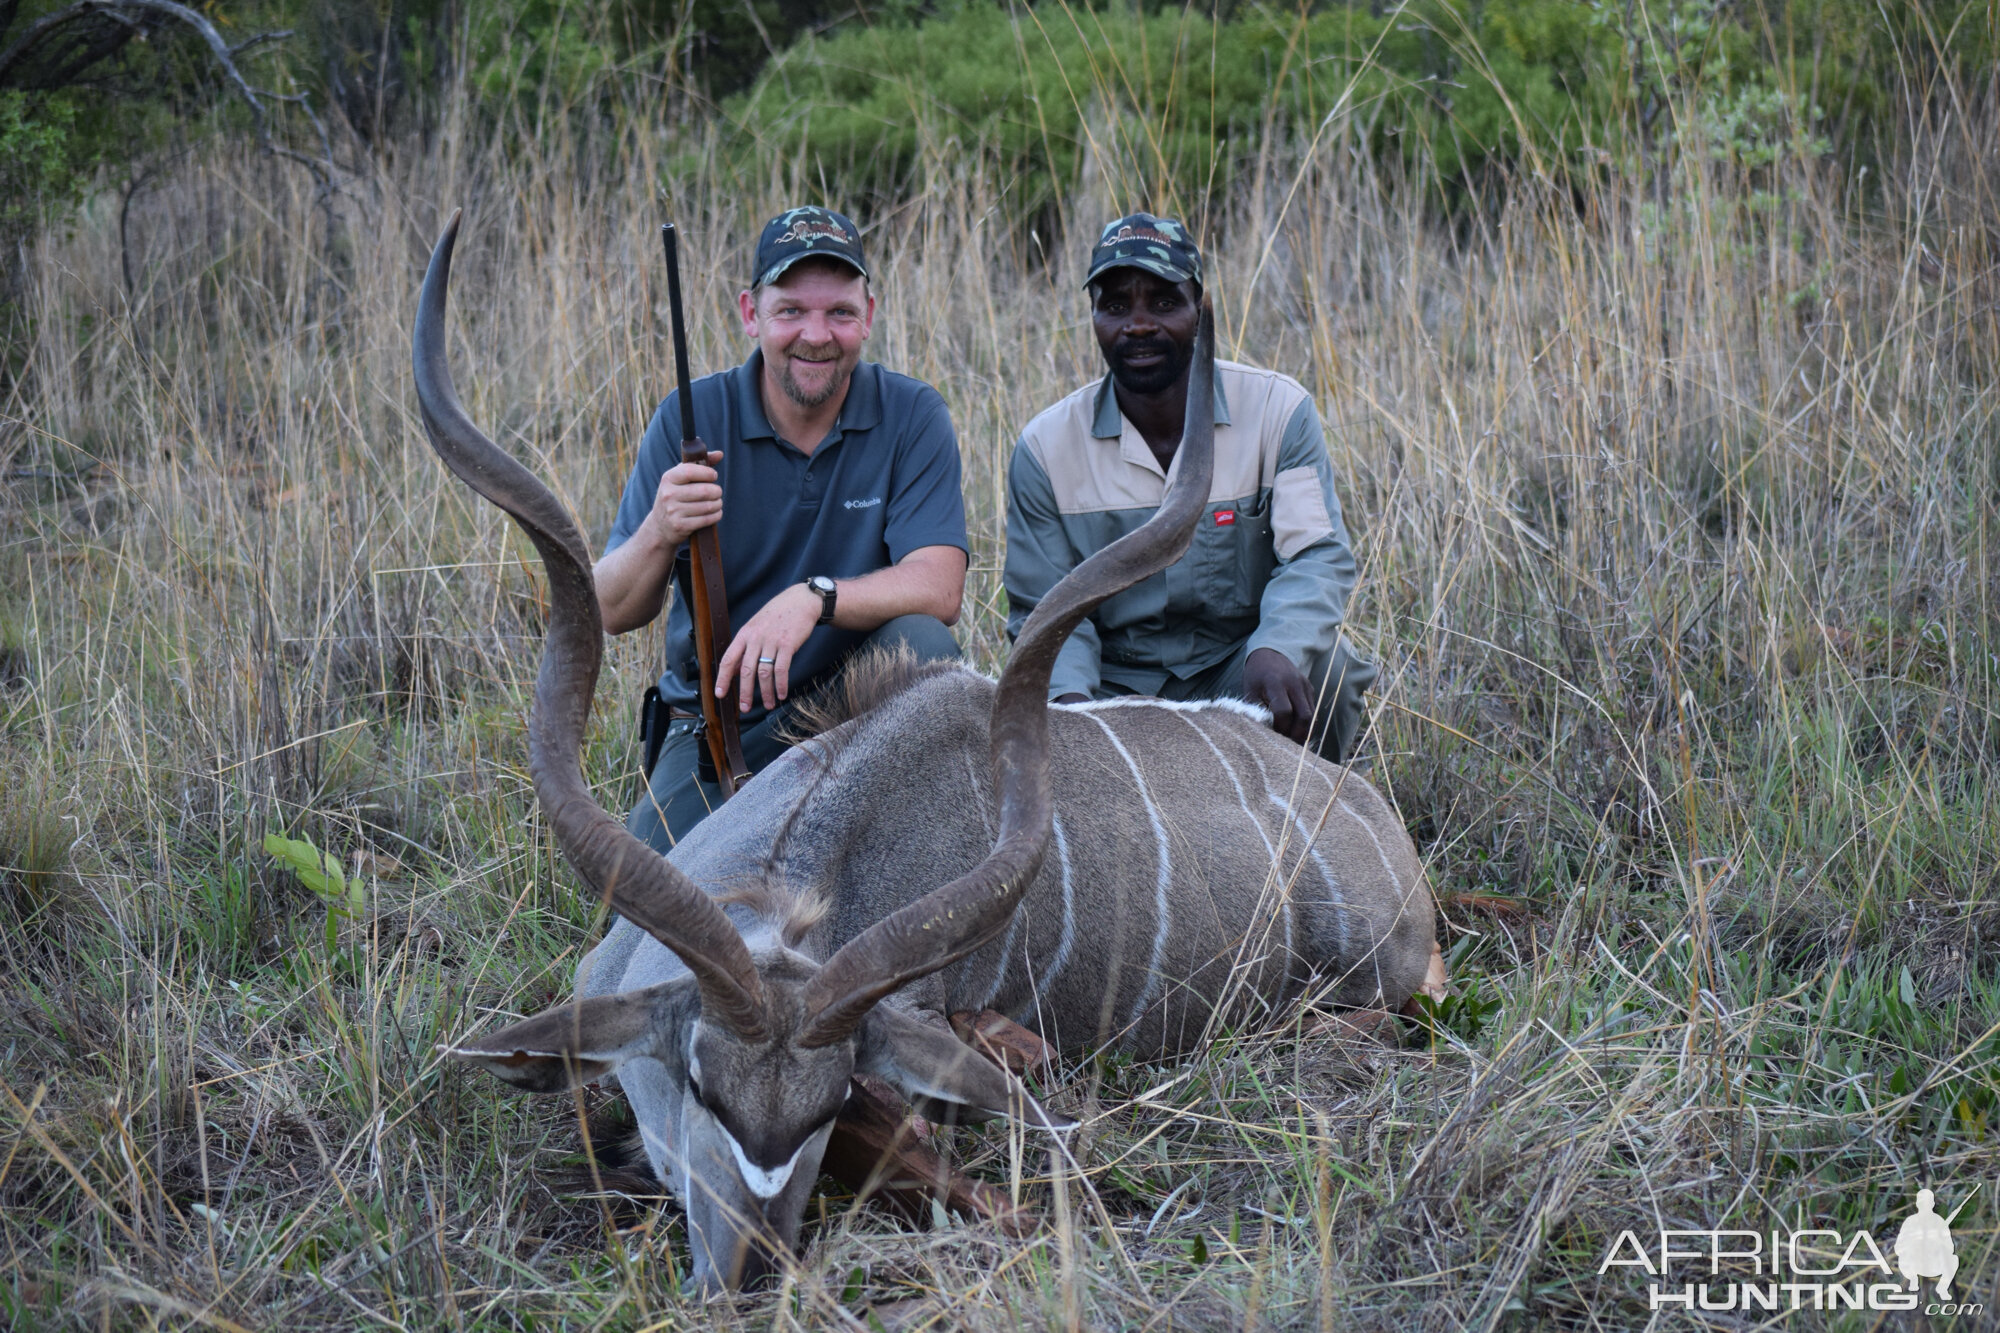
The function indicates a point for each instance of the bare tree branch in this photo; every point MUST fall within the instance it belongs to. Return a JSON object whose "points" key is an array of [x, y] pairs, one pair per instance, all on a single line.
{"points": [[54, 23], [117, 22], [216, 45], [258, 39]]}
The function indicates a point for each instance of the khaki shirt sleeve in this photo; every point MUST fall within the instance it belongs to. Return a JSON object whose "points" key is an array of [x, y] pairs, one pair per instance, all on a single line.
{"points": [[1305, 602], [1039, 553]]}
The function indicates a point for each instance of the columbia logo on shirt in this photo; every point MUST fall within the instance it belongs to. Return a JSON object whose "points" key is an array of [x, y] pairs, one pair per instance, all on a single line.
{"points": [[862, 504]]}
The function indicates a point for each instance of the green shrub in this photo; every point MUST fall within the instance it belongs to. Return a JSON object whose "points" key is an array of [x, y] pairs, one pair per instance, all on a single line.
{"points": [[1451, 87], [1191, 97], [38, 167]]}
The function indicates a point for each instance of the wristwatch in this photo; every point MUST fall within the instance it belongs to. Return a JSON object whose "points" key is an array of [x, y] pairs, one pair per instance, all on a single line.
{"points": [[826, 589]]}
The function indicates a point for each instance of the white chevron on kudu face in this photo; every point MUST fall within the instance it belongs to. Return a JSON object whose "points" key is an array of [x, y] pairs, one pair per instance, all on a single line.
{"points": [[765, 1183]]}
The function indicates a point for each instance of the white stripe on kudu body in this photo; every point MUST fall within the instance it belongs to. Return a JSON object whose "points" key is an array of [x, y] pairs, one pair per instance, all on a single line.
{"points": [[1243, 802], [1241, 707], [1068, 941], [1380, 854], [1335, 898], [1162, 879]]}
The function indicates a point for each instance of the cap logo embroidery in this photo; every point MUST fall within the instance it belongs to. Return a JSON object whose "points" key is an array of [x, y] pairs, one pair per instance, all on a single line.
{"points": [[812, 230]]}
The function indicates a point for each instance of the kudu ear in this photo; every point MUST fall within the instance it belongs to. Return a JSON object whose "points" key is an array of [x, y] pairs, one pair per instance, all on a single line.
{"points": [[942, 1076], [578, 1043]]}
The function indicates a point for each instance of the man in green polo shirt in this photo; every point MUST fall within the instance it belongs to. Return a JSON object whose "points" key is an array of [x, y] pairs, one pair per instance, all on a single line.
{"points": [[835, 484], [1254, 610]]}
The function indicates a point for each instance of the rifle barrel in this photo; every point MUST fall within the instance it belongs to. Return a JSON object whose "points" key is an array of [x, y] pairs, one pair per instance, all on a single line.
{"points": [[671, 242]]}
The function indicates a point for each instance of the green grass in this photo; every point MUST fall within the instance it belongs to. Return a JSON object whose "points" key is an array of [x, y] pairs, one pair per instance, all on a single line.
{"points": [[1675, 503]]}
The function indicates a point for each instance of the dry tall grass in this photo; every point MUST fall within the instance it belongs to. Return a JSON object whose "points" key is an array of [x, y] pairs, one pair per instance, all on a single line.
{"points": [[1676, 501]]}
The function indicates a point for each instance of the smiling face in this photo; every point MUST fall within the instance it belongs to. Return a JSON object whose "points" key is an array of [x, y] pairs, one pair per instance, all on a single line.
{"points": [[1145, 326], [811, 324]]}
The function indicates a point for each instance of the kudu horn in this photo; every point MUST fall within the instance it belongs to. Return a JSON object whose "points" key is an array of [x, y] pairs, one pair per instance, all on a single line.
{"points": [[636, 881]]}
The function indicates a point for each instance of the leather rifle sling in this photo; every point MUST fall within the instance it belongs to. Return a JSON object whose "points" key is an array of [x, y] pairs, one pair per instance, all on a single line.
{"points": [[709, 608]]}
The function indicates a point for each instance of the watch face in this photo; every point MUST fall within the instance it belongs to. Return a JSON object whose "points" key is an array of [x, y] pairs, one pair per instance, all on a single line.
{"points": [[823, 586]]}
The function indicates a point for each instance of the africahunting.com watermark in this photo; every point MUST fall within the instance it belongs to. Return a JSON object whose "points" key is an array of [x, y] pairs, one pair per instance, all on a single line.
{"points": [[1780, 1269]]}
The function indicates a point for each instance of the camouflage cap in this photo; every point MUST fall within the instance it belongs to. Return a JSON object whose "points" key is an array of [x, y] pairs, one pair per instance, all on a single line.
{"points": [[801, 233], [1140, 240]]}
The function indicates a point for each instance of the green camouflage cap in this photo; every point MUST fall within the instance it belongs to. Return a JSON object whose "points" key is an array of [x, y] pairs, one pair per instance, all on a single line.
{"points": [[1140, 240], [803, 233]]}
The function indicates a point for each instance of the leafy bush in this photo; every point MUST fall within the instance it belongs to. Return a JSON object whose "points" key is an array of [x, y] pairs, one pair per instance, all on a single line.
{"points": [[38, 166], [1195, 96], [84, 89], [558, 55], [1449, 86]]}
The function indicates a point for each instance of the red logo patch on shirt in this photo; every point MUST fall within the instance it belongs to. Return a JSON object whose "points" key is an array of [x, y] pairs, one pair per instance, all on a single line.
{"points": [[1224, 517]]}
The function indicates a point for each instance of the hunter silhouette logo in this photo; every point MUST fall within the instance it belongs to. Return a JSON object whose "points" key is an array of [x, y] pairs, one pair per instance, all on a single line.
{"points": [[1811, 1269], [1924, 1248]]}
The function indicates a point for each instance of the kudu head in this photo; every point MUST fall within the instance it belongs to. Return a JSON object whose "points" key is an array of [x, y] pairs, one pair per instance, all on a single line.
{"points": [[757, 1048]]}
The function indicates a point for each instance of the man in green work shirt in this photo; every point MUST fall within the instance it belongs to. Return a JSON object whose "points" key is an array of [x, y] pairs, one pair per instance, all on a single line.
{"points": [[1254, 609]]}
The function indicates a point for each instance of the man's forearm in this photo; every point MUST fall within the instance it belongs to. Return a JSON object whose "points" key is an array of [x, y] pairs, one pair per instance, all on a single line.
{"points": [[632, 583], [928, 581]]}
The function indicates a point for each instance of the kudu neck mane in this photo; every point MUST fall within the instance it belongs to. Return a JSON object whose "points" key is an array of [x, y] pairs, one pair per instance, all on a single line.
{"points": [[871, 678]]}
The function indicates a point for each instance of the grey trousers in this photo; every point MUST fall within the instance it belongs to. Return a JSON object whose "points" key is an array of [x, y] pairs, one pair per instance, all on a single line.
{"points": [[1335, 683], [677, 799]]}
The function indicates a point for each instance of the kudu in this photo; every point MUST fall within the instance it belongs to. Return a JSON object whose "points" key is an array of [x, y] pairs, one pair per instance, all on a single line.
{"points": [[1200, 864]]}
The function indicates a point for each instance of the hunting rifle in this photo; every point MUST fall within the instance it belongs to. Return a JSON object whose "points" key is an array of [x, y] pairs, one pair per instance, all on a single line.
{"points": [[708, 608]]}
